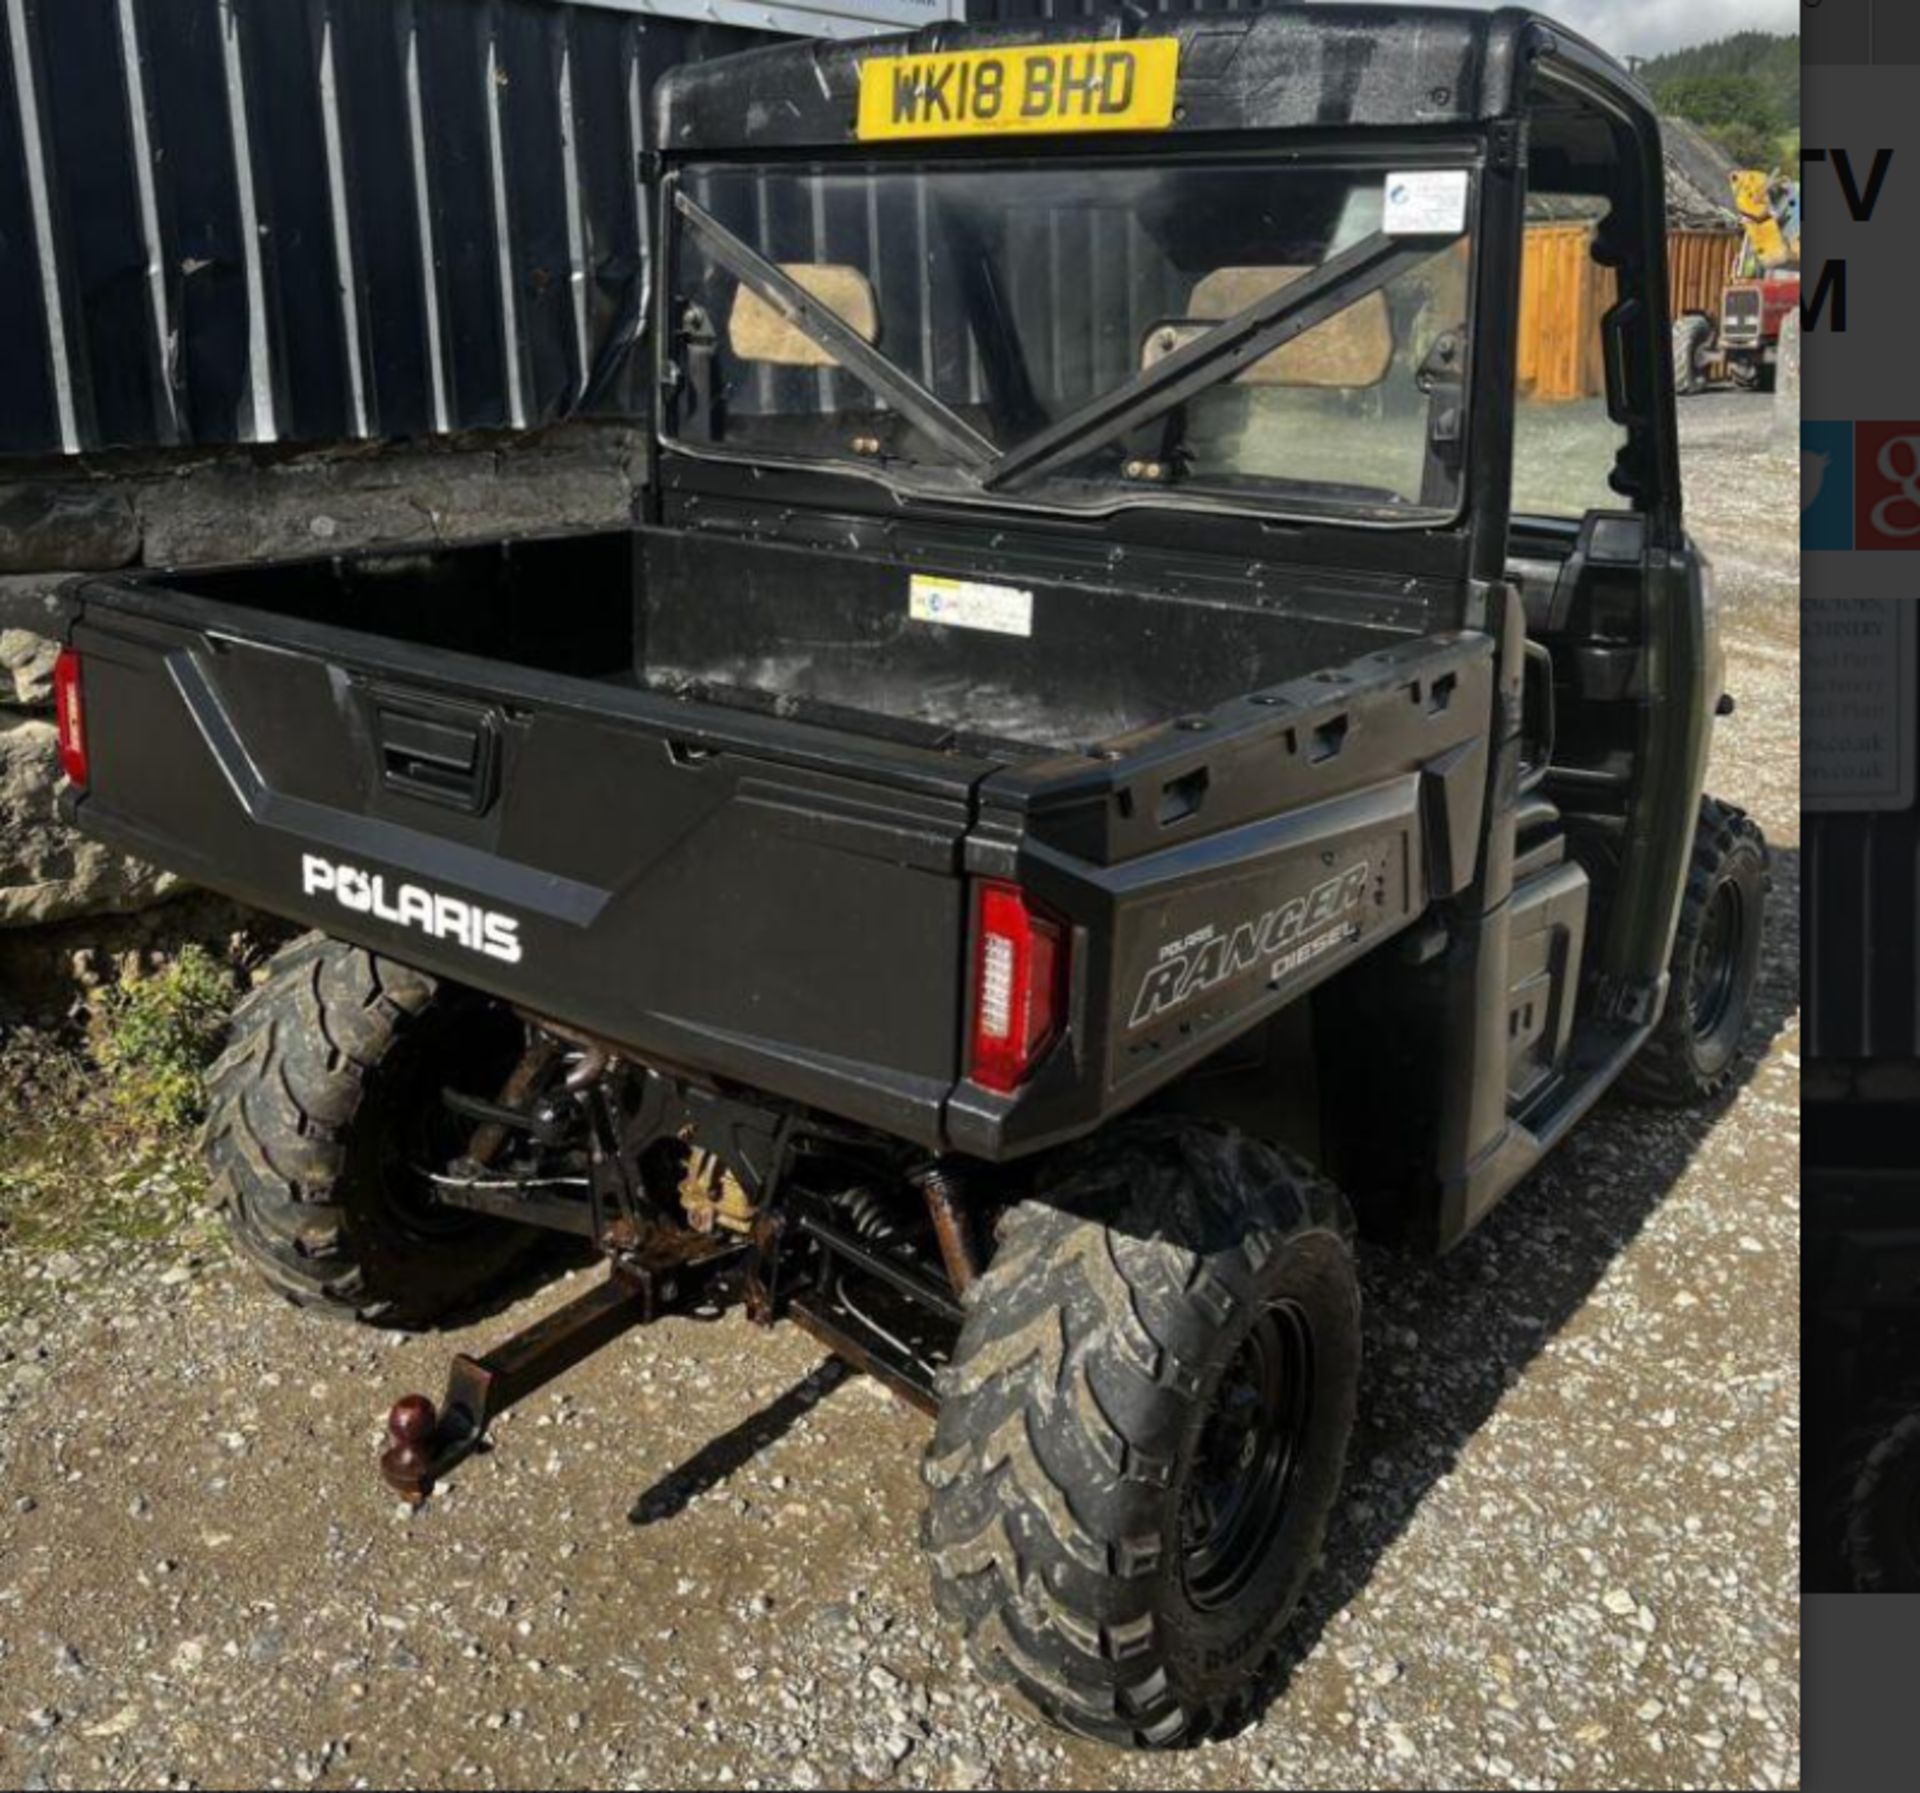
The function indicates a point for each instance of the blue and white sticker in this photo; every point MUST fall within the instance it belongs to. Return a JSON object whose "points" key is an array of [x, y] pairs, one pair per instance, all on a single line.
{"points": [[970, 604], [1425, 202]]}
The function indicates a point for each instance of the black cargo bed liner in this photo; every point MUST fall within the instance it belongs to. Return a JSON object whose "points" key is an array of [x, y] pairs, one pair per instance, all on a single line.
{"points": [[805, 634]]}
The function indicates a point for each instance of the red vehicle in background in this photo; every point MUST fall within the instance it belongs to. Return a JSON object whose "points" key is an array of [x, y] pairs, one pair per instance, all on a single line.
{"points": [[1741, 346]]}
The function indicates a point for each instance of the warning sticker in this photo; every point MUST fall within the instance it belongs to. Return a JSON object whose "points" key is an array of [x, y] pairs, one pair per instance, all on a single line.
{"points": [[967, 604], [1429, 202], [1857, 682]]}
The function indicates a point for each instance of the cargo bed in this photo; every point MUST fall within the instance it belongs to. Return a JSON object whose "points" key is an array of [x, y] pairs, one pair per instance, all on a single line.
{"points": [[791, 632], [719, 800]]}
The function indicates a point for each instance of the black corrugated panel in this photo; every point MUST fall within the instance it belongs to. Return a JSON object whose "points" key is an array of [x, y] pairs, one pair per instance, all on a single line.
{"points": [[231, 221], [300, 220], [29, 423]]}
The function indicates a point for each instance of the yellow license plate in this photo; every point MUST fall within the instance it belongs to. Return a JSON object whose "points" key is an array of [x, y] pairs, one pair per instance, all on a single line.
{"points": [[1042, 87]]}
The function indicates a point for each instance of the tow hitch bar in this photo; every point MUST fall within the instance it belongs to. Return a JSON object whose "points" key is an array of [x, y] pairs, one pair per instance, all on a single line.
{"points": [[667, 1270]]}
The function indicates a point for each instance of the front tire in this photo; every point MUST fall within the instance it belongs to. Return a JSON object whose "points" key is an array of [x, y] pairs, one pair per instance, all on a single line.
{"points": [[1695, 1046], [1143, 1429], [322, 1113]]}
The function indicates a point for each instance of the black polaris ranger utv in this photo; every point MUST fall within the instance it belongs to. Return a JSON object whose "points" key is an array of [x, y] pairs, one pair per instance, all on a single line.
{"points": [[1079, 761]]}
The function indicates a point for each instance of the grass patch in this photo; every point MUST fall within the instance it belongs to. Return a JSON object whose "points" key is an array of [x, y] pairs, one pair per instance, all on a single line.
{"points": [[155, 1035], [97, 1120]]}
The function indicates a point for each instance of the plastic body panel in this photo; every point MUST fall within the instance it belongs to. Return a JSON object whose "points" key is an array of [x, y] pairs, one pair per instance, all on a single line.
{"points": [[1549, 936], [1335, 810]]}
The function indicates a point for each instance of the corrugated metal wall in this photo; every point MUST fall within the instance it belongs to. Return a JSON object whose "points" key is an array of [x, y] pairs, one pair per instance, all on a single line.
{"points": [[303, 220]]}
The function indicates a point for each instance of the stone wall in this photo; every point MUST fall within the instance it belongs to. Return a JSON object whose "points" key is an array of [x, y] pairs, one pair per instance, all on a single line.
{"points": [[61, 519]]}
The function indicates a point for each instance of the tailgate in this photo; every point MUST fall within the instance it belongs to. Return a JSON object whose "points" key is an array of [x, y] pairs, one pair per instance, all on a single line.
{"points": [[773, 903]]}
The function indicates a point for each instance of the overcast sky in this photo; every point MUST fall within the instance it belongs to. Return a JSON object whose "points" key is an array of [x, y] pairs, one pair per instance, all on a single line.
{"points": [[1646, 27]]}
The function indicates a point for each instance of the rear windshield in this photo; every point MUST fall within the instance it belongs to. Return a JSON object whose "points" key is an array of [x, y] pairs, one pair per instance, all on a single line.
{"points": [[1018, 296]]}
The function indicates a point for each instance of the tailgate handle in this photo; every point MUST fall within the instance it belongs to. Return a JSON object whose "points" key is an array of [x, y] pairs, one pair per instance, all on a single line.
{"points": [[437, 753]]}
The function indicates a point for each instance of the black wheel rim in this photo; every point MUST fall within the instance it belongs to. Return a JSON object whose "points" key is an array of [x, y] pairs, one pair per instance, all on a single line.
{"points": [[1246, 1464], [1714, 985]]}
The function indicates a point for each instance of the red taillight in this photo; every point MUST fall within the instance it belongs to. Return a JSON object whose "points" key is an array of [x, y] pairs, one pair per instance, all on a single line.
{"points": [[71, 717], [1018, 971]]}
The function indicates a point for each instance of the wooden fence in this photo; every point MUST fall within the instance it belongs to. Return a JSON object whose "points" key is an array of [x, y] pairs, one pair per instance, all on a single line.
{"points": [[1563, 293]]}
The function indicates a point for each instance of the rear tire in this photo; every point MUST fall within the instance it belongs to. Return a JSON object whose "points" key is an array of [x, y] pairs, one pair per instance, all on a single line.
{"points": [[1695, 1047], [320, 1115], [1882, 1518], [1143, 1430]]}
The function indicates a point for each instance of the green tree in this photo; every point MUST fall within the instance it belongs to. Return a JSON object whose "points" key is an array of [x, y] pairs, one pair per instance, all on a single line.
{"points": [[1771, 60], [1734, 110]]}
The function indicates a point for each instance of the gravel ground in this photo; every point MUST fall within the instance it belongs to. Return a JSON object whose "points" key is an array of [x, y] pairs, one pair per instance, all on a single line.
{"points": [[1568, 1556]]}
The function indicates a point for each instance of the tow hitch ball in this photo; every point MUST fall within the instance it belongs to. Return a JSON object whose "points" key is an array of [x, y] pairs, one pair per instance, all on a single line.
{"points": [[667, 1270]]}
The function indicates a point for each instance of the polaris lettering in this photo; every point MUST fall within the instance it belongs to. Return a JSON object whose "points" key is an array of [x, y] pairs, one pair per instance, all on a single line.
{"points": [[429, 912]]}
